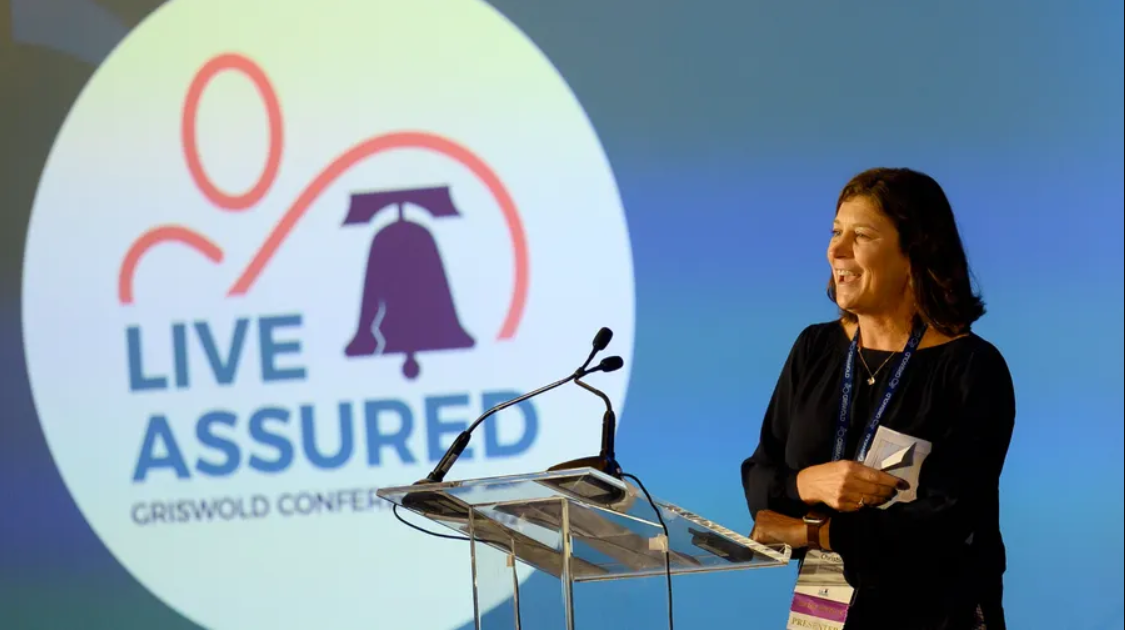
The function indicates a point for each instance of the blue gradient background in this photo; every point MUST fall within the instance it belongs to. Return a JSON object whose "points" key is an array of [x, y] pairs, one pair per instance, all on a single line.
{"points": [[731, 126]]}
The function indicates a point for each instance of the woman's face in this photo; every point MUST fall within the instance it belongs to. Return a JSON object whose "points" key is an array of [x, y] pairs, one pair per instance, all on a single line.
{"points": [[871, 273]]}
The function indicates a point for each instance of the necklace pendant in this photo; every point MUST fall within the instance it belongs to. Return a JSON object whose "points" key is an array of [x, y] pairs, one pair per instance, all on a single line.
{"points": [[871, 380]]}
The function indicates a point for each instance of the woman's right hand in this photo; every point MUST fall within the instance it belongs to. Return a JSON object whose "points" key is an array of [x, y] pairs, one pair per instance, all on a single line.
{"points": [[847, 486]]}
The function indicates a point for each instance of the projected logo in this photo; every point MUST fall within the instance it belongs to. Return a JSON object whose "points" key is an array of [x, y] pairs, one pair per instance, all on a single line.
{"points": [[279, 257]]}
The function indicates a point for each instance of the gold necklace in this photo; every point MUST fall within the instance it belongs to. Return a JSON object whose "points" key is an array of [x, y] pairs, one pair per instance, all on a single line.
{"points": [[871, 377]]}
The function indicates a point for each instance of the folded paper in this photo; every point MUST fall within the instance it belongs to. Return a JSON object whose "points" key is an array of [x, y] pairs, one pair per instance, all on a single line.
{"points": [[900, 455]]}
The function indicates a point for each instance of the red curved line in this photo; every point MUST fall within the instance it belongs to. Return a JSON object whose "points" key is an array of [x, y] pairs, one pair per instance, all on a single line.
{"points": [[152, 238], [226, 201], [418, 140]]}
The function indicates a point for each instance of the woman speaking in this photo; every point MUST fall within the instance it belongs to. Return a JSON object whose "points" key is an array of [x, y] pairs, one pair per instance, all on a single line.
{"points": [[902, 356]]}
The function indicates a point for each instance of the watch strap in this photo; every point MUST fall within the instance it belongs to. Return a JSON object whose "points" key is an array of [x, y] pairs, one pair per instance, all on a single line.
{"points": [[813, 522]]}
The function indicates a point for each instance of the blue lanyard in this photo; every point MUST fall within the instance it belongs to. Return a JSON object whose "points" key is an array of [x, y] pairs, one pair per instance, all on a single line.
{"points": [[844, 418]]}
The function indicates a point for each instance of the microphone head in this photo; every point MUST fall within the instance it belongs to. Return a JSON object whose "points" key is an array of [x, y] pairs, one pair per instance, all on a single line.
{"points": [[601, 340], [611, 364]]}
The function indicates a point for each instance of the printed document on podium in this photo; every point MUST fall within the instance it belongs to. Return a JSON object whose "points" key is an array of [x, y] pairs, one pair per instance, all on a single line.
{"points": [[900, 455]]}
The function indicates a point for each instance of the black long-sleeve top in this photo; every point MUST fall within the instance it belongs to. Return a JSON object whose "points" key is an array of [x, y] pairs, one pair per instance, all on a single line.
{"points": [[923, 565]]}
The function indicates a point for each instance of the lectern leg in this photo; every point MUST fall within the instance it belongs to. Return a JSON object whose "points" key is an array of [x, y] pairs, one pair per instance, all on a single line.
{"points": [[495, 580], [515, 591], [567, 575]]}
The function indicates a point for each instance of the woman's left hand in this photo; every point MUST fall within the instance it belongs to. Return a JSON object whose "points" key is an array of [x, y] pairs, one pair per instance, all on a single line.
{"points": [[771, 528]]}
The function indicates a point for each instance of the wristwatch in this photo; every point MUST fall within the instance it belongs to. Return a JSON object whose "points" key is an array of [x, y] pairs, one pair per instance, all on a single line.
{"points": [[813, 522]]}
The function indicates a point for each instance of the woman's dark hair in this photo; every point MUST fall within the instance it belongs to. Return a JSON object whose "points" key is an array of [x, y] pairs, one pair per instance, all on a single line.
{"points": [[928, 237]]}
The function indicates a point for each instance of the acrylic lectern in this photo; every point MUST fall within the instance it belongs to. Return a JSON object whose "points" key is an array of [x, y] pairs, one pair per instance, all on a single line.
{"points": [[578, 525]]}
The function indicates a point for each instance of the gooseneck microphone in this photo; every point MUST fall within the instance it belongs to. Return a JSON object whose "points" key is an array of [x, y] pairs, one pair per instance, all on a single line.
{"points": [[606, 461], [601, 340]]}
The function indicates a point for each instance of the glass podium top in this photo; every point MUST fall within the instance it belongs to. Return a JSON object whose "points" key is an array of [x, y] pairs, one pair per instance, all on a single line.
{"points": [[614, 532]]}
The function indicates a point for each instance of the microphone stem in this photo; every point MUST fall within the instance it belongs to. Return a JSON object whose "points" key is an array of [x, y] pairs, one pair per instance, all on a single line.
{"points": [[462, 440], [609, 421], [597, 392], [515, 401]]}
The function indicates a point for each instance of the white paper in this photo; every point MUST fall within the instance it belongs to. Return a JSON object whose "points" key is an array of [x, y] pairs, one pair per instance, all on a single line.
{"points": [[900, 455], [898, 459]]}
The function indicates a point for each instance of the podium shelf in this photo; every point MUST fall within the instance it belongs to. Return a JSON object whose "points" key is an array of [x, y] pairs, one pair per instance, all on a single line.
{"points": [[604, 526]]}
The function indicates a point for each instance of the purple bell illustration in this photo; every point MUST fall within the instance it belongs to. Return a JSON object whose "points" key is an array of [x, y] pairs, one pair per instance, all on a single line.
{"points": [[407, 307]]}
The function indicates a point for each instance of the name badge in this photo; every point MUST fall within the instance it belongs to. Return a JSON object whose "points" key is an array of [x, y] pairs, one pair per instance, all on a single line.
{"points": [[822, 596]]}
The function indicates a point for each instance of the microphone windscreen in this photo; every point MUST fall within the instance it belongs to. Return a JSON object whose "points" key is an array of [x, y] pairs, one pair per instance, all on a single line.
{"points": [[601, 340], [611, 364]]}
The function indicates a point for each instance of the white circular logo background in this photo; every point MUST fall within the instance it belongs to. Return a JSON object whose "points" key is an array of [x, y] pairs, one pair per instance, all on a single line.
{"points": [[280, 255]]}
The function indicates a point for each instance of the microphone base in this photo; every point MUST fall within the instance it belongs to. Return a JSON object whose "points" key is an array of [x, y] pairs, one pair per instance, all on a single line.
{"points": [[597, 462], [593, 490]]}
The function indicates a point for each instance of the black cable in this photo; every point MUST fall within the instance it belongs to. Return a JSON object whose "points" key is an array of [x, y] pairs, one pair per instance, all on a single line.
{"points": [[422, 529], [667, 545]]}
